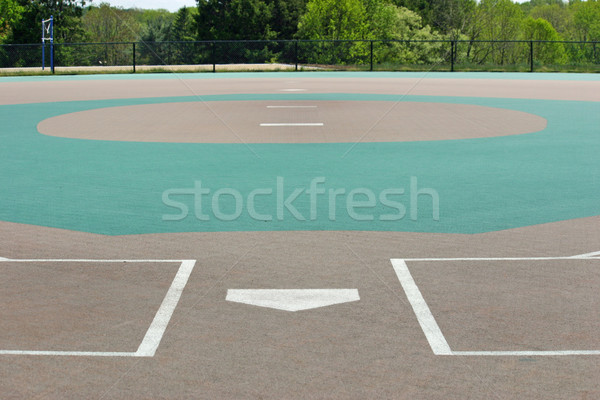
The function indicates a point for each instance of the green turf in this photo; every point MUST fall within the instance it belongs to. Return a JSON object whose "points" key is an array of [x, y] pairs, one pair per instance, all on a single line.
{"points": [[484, 185]]}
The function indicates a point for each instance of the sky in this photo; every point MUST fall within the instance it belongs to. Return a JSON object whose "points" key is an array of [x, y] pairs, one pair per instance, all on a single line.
{"points": [[171, 5]]}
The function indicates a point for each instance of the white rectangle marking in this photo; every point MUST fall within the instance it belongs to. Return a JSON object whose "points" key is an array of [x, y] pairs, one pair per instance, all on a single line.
{"points": [[294, 124], [431, 328], [432, 331], [154, 333]]}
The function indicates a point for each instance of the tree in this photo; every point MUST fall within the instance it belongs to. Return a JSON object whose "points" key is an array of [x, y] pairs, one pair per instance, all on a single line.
{"points": [[528, 6], [412, 42], [424, 8], [334, 20], [106, 24], [499, 21], [67, 20], [156, 24], [183, 26], [285, 16], [587, 19], [110, 24], [452, 17], [10, 14], [546, 53], [234, 20], [183, 32], [559, 16], [366, 20]]}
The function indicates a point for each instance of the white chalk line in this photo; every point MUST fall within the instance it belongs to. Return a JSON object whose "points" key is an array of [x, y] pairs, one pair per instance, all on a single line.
{"points": [[292, 124], [431, 329], [528, 353], [87, 260], [157, 328], [583, 256], [293, 90], [594, 255], [292, 107], [68, 353]]}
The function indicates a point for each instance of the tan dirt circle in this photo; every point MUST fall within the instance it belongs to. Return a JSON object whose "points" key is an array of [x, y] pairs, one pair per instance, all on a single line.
{"points": [[258, 122]]}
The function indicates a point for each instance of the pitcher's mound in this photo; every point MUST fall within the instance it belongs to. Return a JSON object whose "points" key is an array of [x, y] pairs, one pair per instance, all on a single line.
{"points": [[292, 122]]}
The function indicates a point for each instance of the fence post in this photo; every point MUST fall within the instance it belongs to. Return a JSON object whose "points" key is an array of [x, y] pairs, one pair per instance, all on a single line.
{"points": [[372, 55], [214, 56], [531, 56], [134, 57], [52, 60], [452, 54], [296, 53]]}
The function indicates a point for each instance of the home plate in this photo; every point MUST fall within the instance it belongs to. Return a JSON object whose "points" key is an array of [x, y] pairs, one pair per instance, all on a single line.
{"points": [[292, 299]]}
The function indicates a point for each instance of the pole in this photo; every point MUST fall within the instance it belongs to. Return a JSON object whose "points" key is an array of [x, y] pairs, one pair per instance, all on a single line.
{"points": [[52, 43], [214, 56], [43, 46], [453, 55], [134, 57], [531, 56], [296, 53], [371, 55]]}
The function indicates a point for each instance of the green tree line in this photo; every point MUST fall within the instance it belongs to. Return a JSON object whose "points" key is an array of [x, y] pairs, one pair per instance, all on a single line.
{"points": [[425, 22]]}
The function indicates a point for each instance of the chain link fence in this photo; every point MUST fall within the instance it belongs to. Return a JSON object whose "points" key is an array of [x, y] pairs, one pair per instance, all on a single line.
{"points": [[388, 55]]}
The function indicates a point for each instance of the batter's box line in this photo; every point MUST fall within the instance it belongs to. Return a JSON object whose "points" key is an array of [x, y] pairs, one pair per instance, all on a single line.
{"points": [[432, 330], [155, 332]]}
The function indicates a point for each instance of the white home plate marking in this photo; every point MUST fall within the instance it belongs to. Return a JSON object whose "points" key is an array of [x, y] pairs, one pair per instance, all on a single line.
{"points": [[292, 299], [293, 124]]}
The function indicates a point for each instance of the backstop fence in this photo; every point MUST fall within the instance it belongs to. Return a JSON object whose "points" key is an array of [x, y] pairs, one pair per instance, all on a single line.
{"points": [[374, 55]]}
